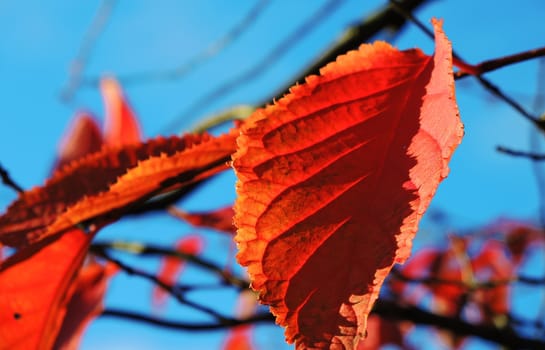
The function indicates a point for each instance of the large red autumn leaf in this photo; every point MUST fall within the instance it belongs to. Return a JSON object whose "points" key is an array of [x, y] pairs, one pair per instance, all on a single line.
{"points": [[34, 292], [332, 182], [30, 218]]}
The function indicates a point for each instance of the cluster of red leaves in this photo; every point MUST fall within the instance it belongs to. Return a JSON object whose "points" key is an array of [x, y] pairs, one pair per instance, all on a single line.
{"points": [[71, 289], [471, 278], [332, 182], [97, 176]]}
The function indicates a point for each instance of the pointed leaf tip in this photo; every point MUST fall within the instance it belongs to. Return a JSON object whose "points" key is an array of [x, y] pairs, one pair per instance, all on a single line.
{"points": [[333, 180]]}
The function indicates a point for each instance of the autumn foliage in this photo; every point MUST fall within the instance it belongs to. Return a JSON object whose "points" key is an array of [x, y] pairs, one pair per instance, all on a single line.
{"points": [[332, 181]]}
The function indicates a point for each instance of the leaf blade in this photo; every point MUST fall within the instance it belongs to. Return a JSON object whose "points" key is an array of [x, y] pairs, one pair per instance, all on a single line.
{"points": [[309, 181]]}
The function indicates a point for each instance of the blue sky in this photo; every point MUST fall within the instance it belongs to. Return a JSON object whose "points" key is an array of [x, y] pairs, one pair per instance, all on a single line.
{"points": [[39, 40]]}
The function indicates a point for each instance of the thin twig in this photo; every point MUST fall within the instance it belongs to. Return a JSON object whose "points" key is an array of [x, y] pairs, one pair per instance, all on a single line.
{"points": [[187, 326], [497, 63], [536, 142], [487, 84], [323, 12], [384, 308], [142, 249], [160, 283], [504, 336], [239, 112], [383, 18], [87, 45], [209, 52], [515, 153], [495, 90], [471, 286], [8, 181]]}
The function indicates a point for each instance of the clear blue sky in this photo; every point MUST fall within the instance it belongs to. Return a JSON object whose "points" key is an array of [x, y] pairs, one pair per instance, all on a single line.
{"points": [[39, 40]]}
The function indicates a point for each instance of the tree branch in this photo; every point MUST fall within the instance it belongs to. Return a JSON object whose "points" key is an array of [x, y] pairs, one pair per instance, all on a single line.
{"points": [[153, 250], [506, 337], [383, 308], [353, 37], [80, 61], [285, 45], [487, 84], [264, 317], [497, 63], [209, 52], [172, 290], [515, 153]]}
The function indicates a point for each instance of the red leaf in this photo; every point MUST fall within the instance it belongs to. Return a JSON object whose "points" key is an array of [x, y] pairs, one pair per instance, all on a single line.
{"points": [[172, 267], [83, 138], [333, 180], [240, 338], [493, 265], [151, 177], [34, 290], [382, 332], [121, 125], [85, 304], [46, 210], [220, 219]]}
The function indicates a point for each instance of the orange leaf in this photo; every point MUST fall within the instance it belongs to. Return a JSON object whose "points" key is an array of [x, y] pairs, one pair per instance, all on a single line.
{"points": [[333, 180], [121, 126], [151, 177], [220, 219], [34, 290], [172, 267], [27, 219], [85, 304]]}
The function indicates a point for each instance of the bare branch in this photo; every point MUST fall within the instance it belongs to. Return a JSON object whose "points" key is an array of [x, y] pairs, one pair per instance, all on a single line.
{"points": [[323, 12], [497, 63], [264, 317], [142, 249], [487, 84], [209, 52], [87, 45], [383, 18], [384, 308], [165, 286], [504, 336], [515, 153], [239, 112]]}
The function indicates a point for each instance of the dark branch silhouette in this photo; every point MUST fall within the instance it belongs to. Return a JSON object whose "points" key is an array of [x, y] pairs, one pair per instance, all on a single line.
{"points": [[523, 154], [487, 84], [8, 181], [87, 46]]}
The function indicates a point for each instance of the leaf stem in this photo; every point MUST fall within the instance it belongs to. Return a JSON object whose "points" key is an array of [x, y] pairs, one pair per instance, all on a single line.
{"points": [[8, 181]]}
